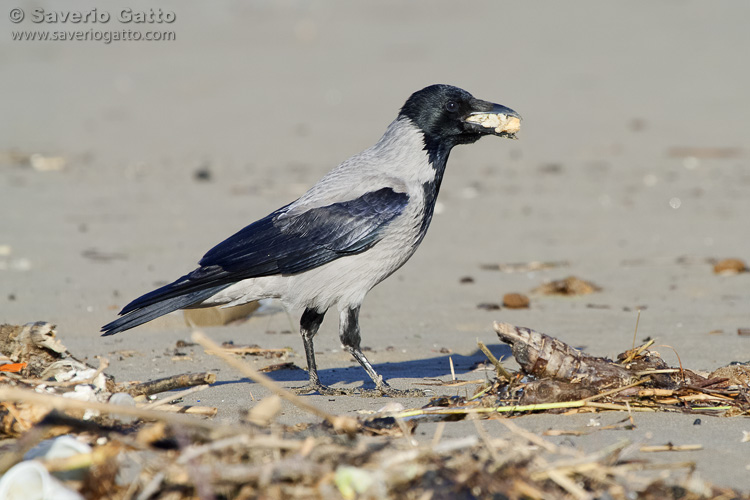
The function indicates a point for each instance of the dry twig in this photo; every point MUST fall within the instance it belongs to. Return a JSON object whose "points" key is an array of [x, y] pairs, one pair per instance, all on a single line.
{"points": [[341, 423], [170, 383]]}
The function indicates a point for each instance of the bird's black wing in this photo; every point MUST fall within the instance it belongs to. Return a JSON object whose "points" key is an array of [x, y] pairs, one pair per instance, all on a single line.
{"points": [[289, 245], [276, 244]]}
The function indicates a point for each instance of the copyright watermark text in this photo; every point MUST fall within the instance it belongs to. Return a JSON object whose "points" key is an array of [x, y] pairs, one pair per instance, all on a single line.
{"points": [[65, 25], [125, 16]]}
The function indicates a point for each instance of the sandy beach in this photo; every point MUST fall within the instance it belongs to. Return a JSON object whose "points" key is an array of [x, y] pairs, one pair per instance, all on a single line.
{"points": [[122, 163]]}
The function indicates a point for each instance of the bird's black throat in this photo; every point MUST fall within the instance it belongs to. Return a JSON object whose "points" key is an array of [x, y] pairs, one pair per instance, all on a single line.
{"points": [[438, 150]]}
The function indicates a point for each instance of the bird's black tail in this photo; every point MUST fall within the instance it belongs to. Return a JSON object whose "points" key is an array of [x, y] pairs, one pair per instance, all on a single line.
{"points": [[137, 315]]}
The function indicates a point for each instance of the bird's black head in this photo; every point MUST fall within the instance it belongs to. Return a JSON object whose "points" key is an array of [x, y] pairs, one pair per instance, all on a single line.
{"points": [[449, 116]]}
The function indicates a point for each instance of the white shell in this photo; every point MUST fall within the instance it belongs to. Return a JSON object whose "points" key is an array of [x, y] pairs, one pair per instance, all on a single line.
{"points": [[29, 480]]}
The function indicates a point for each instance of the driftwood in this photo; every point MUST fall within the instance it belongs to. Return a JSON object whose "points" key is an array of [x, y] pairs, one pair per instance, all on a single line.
{"points": [[563, 377], [546, 357], [169, 384]]}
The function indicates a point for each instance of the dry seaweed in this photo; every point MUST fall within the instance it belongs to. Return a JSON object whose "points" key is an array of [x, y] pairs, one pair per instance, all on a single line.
{"points": [[174, 456]]}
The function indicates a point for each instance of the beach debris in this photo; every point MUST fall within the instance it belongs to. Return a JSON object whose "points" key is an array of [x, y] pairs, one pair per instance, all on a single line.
{"points": [[562, 373], [37, 347], [598, 306], [567, 286], [499, 368], [255, 350], [671, 447], [550, 168], [543, 356], [100, 256], [555, 377], [552, 391], [173, 455], [44, 163], [489, 306], [704, 152], [524, 267], [168, 384], [736, 374], [516, 301], [280, 366], [30, 479], [449, 383], [203, 173], [6, 365], [59, 449], [728, 267], [13, 264], [35, 358], [14, 157], [637, 124]]}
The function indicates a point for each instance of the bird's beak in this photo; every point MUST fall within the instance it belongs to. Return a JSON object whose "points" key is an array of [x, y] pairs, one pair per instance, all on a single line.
{"points": [[498, 120]]}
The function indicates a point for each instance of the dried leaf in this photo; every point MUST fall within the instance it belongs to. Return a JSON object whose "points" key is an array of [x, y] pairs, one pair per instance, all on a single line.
{"points": [[568, 286]]}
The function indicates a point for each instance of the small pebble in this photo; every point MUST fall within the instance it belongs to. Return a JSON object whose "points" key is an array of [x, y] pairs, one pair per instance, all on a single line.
{"points": [[202, 174], [550, 168], [515, 301], [730, 266], [697, 421]]}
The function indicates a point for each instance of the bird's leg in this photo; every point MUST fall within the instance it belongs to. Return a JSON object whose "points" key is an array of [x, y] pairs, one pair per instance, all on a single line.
{"points": [[350, 340], [309, 324]]}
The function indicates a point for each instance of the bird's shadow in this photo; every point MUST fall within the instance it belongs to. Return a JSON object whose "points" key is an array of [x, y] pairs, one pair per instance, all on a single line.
{"points": [[426, 368]]}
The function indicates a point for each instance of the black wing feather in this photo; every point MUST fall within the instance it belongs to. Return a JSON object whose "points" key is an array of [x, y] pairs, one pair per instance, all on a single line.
{"points": [[147, 313], [279, 245]]}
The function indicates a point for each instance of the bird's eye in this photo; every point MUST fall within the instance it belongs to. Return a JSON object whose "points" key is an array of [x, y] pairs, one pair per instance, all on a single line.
{"points": [[451, 106]]}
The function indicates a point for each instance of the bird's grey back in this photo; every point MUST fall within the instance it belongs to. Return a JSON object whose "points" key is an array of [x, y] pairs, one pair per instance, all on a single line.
{"points": [[397, 161]]}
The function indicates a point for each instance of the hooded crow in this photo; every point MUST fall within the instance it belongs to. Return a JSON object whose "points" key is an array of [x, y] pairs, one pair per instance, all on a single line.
{"points": [[350, 231]]}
